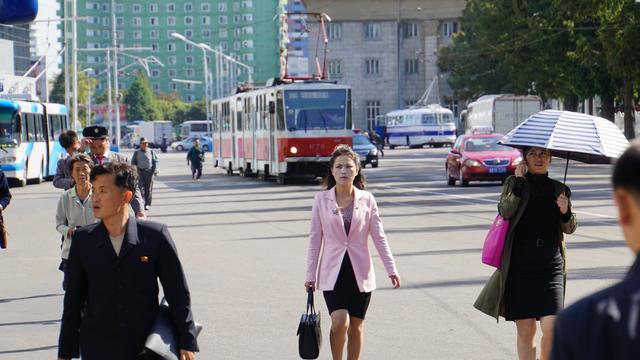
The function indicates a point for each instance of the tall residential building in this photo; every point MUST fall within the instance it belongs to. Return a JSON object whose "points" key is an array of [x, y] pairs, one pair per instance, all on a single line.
{"points": [[17, 41], [388, 53], [248, 30]]}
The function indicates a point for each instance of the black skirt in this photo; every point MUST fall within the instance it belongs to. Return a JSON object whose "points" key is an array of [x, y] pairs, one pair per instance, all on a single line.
{"points": [[345, 294]]}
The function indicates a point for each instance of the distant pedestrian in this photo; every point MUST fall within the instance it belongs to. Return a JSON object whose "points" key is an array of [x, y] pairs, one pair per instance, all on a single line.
{"points": [[342, 220], [195, 157], [5, 199], [70, 142], [606, 325], [97, 138], [114, 266], [165, 143], [75, 208], [146, 161], [530, 282]]}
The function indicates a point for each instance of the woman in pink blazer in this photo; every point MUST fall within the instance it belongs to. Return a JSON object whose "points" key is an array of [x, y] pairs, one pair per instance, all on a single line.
{"points": [[339, 263]]}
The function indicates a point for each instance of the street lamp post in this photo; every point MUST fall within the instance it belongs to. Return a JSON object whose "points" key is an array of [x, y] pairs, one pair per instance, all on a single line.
{"points": [[88, 70]]}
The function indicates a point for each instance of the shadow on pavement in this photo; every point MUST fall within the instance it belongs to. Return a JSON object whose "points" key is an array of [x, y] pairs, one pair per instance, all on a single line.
{"points": [[18, 351], [37, 322], [29, 297]]}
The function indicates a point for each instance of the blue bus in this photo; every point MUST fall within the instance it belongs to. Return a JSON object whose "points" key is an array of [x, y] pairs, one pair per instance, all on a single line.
{"points": [[29, 150]]}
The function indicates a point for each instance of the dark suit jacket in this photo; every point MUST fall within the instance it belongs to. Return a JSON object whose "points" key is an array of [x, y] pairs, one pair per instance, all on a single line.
{"points": [[603, 326], [137, 202], [5, 194], [63, 179], [121, 292]]}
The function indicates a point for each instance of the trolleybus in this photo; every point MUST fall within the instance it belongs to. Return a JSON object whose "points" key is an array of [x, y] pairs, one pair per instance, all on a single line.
{"points": [[432, 125], [29, 150], [283, 131]]}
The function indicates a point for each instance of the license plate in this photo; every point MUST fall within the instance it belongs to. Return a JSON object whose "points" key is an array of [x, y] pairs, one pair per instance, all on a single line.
{"points": [[497, 170]]}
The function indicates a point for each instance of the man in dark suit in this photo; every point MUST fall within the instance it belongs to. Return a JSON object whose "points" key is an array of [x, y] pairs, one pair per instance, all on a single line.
{"points": [[97, 139], [5, 199], [112, 292], [606, 325]]}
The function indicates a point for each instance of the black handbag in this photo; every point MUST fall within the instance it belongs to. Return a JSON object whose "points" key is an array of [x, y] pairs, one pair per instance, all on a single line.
{"points": [[309, 334], [162, 342]]}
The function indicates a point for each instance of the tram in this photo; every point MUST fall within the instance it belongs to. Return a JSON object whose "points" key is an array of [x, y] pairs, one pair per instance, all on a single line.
{"points": [[284, 131]]}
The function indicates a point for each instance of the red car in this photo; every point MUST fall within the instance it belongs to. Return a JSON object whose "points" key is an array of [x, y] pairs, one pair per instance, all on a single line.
{"points": [[478, 157]]}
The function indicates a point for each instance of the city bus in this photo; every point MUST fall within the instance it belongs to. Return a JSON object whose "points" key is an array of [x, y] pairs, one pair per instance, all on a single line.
{"points": [[431, 125], [29, 150], [283, 131]]}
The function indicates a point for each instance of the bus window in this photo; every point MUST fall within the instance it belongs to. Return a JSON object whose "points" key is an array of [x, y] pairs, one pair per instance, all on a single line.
{"points": [[428, 119], [40, 135], [64, 121], [23, 127], [31, 127]]}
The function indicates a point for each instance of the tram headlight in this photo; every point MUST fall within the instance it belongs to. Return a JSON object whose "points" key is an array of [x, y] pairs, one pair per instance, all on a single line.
{"points": [[8, 160], [293, 150]]}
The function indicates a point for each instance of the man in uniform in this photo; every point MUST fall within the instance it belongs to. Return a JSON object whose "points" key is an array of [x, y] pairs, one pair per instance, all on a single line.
{"points": [[97, 138], [146, 161], [606, 325], [114, 265]]}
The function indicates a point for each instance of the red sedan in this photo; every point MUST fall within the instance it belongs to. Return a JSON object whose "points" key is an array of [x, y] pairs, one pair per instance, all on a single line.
{"points": [[478, 157]]}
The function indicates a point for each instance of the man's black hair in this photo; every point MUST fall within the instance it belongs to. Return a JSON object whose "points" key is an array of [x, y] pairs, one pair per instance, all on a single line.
{"points": [[67, 138], [126, 176], [626, 172]]}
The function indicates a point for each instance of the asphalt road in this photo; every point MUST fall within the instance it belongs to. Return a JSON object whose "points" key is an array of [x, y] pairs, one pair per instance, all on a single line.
{"points": [[243, 245]]}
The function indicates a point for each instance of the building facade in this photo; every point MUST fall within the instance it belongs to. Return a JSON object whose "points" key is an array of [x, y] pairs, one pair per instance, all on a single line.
{"points": [[244, 29], [19, 36], [389, 53]]}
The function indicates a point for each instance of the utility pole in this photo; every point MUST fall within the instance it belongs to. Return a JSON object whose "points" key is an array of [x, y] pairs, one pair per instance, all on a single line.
{"points": [[398, 43], [74, 55], [65, 10], [115, 72]]}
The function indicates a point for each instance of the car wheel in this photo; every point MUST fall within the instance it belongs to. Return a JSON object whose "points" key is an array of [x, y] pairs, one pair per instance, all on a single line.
{"points": [[179, 147], [463, 182], [391, 147], [374, 164], [450, 181]]}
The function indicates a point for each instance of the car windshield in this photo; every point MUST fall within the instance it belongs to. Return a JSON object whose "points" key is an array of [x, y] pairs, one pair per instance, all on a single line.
{"points": [[360, 139], [314, 109], [484, 144]]}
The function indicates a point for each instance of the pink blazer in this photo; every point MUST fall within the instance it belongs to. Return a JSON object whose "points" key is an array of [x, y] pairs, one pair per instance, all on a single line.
{"points": [[328, 241]]}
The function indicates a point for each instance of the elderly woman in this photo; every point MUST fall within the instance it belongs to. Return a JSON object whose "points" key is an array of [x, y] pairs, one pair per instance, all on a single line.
{"points": [[75, 207], [343, 218], [529, 285]]}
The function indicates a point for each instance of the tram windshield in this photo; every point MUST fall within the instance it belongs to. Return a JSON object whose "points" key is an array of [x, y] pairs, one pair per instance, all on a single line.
{"points": [[9, 128], [316, 109]]}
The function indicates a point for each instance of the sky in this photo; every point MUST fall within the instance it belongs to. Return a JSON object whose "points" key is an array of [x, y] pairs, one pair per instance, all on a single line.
{"points": [[47, 36]]}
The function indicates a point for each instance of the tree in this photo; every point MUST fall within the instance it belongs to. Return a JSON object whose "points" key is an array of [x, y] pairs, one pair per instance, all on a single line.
{"points": [[84, 84], [140, 101]]}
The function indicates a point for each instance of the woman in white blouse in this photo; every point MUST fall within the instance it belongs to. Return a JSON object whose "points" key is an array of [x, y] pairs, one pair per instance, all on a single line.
{"points": [[74, 207]]}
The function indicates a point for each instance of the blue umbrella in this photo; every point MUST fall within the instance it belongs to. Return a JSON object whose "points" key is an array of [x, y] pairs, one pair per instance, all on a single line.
{"points": [[570, 135]]}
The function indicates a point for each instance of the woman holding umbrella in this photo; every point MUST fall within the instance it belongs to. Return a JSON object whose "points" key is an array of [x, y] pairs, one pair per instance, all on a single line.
{"points": [[529, 285]]}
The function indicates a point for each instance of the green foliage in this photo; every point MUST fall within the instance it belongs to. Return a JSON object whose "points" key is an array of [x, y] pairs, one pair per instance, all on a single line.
{"points": [[85, 84], [566, 49], [140, 101]]}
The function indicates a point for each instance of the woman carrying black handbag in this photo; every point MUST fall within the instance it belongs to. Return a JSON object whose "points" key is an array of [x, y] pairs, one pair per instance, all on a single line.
{"points": [[309, 333]]}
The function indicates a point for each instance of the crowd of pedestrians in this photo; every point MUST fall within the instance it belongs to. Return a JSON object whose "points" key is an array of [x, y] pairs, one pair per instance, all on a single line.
{"points": [[112, 258]]}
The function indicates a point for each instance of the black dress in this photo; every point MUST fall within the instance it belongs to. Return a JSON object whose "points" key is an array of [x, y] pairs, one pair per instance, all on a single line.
{"points": [[535, 286], [345, 294]]}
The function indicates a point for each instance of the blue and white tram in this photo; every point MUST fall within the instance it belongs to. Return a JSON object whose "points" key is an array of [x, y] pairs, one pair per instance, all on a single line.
{"points": [[432, 125], [28, 139]]}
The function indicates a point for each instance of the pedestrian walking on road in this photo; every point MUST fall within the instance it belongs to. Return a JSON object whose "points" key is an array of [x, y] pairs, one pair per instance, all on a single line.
{"points": [[75, 208], [69, 141], [530, 283], [5, 199], [114, 265], [195, 157], [97, 138], [343, 218], [146, 161], [605, 325]]}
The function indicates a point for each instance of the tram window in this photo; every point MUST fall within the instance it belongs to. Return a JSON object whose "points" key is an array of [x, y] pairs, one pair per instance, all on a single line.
{"points": [[349, 111], [279, 109], [239, 121]]}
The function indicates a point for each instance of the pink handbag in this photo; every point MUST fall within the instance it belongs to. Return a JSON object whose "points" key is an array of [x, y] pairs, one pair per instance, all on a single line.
{"points": [[494, 242]]}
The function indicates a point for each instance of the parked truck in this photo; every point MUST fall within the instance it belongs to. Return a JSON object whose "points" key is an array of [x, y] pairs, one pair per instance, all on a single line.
{"points": [[154, 132], [499, 112]]}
